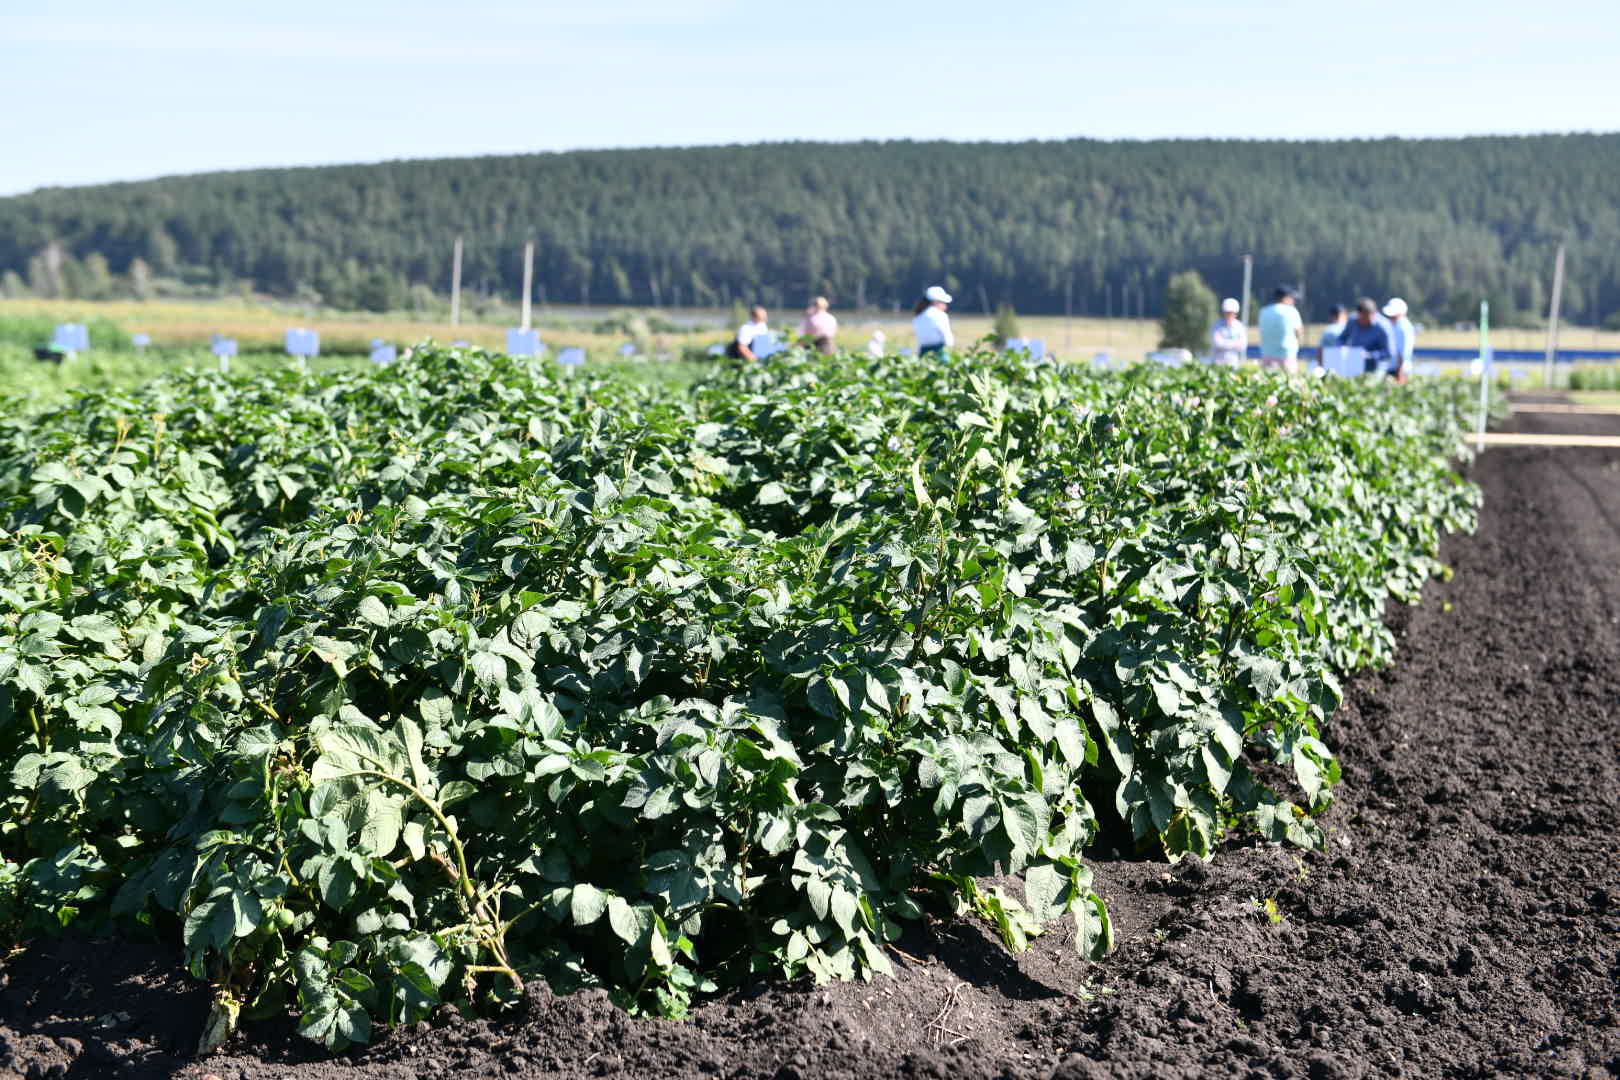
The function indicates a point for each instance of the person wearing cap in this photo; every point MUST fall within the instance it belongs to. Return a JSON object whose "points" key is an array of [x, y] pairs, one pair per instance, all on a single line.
{"points": [[819, 325], [878, 345], [741, 347], [1280, 330], [932, 325], [1229, 338], [1338, 319], [1370, 334], [1403, 338]]}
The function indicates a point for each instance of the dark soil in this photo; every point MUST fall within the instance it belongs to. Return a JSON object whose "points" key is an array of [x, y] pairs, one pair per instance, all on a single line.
{"points": [[1464, 921]]}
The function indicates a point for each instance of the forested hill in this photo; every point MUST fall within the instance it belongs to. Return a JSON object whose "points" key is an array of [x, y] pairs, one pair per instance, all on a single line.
{"points": [[1442, 222]]}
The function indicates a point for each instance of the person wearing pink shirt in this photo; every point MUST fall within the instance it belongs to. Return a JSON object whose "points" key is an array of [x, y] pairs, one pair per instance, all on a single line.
{"points": [[819, 325]]}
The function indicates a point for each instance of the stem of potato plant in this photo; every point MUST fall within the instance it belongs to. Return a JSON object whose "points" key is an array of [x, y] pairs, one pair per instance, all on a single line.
{"points": [[1232, 617], [464, 880]]}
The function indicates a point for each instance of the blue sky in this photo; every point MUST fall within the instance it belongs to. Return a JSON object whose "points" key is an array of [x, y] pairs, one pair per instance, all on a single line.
{"points": [[112, 90]]}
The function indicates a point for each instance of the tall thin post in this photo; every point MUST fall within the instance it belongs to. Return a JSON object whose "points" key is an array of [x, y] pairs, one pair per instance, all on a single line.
{"points": [[1552, 318], [1068, 313], [1248, 278], [455, 286], [1484, 371], [984, 299], [528, 279]]}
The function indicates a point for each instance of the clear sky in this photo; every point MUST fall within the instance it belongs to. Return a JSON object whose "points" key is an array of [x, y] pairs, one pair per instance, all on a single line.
{"points": [[111, 90]]}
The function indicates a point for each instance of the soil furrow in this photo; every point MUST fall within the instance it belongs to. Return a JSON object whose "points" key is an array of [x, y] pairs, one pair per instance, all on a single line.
{"points": [[1464, 920]]}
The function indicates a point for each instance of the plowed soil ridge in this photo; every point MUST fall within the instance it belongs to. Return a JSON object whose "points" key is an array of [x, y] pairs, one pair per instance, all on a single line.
{"points": [[1464, 921]]}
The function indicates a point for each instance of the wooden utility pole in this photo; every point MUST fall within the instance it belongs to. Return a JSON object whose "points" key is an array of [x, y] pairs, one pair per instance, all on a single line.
{"points": [[1552, 319], [1248, 277], [1068, 312], [984, 299], [455, 286], [528, 279]]}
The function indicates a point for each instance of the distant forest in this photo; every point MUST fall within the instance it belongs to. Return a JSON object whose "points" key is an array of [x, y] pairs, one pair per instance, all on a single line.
{"points": [[1083, 225]]}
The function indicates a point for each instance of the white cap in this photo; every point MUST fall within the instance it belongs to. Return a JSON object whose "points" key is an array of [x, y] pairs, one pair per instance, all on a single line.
{"points": [[937, 295], [878, 335], [1395, 308], [1231, 304]]}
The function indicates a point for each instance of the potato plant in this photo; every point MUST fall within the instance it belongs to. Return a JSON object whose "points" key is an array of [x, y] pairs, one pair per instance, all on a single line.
{"points": [[383, 689]]}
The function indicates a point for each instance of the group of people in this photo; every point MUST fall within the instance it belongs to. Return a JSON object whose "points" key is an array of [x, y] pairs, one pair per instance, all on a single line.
{"points": [[1387, 337], [931, 323], [819, 327]]}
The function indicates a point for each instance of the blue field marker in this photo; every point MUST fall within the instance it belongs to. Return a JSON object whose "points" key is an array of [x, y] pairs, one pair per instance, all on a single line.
{"points": [[224, 348], [71, 338], [303, 344], [523, 343]]}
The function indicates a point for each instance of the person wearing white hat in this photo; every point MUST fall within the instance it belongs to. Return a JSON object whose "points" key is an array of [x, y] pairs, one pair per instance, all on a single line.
{"points": [[932, 325], [1229, 339], [879, 344], [1403, 338]]}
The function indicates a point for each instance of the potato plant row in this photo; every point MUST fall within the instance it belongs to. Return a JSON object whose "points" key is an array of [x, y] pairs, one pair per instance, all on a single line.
{"points": [[383, 689]]}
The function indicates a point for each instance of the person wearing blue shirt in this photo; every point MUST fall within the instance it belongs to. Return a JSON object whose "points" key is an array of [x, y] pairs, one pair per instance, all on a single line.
{"points": [[1370, 334], [1403, 337], [1229, 338], [1281, 330]]}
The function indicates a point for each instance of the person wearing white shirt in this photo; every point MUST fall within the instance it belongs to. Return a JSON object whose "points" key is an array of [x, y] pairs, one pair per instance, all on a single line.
{"points": [[1403, 340], [878, 345], [742, 346], [1229, 339], [931, 324]]}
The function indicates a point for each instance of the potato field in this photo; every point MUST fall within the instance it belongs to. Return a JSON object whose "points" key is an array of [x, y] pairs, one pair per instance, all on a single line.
{"points": [[374, 691]]}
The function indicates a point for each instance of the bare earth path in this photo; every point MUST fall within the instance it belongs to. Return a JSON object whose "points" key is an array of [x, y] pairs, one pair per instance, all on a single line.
{"points": [[1465, 921]]}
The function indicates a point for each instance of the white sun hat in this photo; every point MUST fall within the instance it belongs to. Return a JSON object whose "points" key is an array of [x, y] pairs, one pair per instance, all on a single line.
{"points": [[1395, 308], [1231, 304], [937, 295]]}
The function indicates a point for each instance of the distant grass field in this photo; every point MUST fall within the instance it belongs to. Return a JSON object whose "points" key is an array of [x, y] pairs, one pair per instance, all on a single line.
{"points": [[182, 330], [257, 324]]}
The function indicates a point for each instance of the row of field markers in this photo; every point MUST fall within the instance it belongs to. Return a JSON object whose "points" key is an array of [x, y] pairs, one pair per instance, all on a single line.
{"points": [[304, 343]]}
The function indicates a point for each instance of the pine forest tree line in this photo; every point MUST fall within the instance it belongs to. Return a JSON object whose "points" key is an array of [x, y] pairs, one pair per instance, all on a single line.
{"points": [[1089, 226]]}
